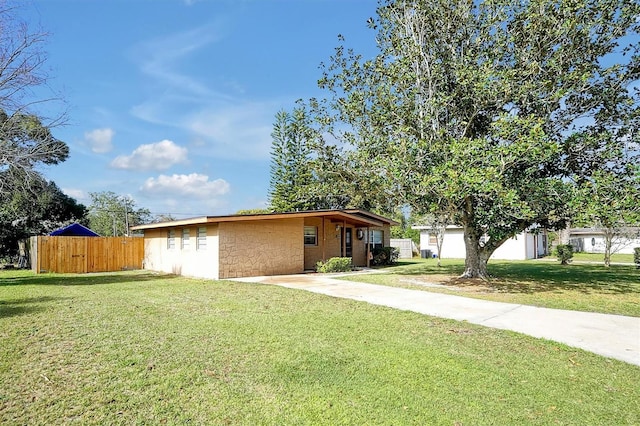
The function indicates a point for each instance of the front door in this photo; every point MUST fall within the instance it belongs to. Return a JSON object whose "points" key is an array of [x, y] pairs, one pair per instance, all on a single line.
{"points": [[348, 244]]}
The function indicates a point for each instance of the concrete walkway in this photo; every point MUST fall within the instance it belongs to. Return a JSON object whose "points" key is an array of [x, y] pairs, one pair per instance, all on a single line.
{"points": [[613, 336]]}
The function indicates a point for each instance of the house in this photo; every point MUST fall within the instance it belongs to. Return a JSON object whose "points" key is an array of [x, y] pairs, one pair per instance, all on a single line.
{"points": [[221, 247], [73, 230], [592, 240], [530, 244]]}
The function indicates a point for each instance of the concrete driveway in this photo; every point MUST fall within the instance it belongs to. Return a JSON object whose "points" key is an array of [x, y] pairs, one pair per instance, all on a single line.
{"points": [[613, 336]]}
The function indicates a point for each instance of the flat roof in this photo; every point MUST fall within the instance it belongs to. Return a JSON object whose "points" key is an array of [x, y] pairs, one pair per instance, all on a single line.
{"points": [[351, 216]]}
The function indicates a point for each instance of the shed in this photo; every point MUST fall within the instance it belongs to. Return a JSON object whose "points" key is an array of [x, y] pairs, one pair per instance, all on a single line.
{"points": [[73, 230], [529, 244]]}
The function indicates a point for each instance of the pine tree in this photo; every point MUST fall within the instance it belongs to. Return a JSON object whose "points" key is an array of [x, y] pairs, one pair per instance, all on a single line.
{"points": [[290, 162]]}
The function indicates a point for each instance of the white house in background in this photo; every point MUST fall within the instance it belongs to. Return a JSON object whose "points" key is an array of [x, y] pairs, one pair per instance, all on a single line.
{"points": [[526, 245], [592, 241]]}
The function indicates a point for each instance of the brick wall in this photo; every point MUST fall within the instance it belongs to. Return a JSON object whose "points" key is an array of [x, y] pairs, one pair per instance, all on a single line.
{"points": [[266, 247]]}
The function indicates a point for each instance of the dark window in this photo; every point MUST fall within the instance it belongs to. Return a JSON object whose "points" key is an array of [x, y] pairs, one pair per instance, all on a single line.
{"points": [[310, 236]]}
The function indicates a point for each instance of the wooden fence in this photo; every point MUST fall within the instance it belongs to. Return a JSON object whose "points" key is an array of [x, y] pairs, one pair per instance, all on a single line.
{"points": [[86, 254]]}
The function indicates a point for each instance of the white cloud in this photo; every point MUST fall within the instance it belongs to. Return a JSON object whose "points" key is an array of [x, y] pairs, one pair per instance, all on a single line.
{"points": [[160, 59], [77, 194], [236, 132], [155, 156], [194, 185], [100, 140], [223, 125]]}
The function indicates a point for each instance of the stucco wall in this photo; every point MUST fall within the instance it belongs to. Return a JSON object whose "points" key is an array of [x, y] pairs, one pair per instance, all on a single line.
{"points": [[191, 261], [514, 248], [620, 245], [519, 247], [268, 247]]}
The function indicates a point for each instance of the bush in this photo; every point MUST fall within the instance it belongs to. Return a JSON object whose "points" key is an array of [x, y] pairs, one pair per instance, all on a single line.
{"points": [[564, 253], [335, 264], [636, 256], [385, 256]]}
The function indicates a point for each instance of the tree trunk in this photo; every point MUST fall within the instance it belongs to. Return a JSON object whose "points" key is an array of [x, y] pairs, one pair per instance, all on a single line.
{"points": [[608, 238], [475, 263]]}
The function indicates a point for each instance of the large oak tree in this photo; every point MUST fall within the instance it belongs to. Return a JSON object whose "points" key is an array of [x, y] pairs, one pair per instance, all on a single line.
{"points": [[466, 109]]}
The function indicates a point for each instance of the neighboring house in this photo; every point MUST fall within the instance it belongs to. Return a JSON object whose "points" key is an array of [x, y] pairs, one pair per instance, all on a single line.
{"points": [[526, 245], [592, 240], [221, 247], [73, 230]]}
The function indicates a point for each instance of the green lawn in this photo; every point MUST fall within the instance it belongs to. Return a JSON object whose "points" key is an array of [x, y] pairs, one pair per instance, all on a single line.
{"points": [[599, 257], [577, 286], [139, 348]]}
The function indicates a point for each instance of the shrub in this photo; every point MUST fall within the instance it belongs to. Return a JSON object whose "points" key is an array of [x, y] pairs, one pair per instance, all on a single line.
{"points": [[385, 256], [636, 256], [564, 253], [335, 264]]}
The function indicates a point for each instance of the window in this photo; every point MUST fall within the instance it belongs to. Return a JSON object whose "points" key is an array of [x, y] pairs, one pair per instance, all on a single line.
{"points": [[433, 240], [185, 239], [201, 241], [171, 239], [310, 236], [376, 239]]}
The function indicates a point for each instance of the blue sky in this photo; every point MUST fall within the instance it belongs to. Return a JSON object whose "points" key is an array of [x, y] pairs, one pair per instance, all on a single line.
{"points": [[172, 102]]}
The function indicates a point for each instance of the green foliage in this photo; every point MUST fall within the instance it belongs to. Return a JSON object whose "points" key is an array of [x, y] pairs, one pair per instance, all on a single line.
{"points": [[465, 111], [335, 264], [607, 199], [564, 252], [26, 140], [36, 211], [636, 256], [290, 162], [309, 174], [405, 230], [385, 256], [254, 211], [111, 214], [25, 143]]}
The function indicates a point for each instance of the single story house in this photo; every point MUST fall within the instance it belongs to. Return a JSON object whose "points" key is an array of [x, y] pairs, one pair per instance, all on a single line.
{"points": [[592, 240], [526, 245], [220, 247]]}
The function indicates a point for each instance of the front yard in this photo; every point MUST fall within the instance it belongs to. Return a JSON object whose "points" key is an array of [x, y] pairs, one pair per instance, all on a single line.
{"points": [[579, 286], [140, 348]]}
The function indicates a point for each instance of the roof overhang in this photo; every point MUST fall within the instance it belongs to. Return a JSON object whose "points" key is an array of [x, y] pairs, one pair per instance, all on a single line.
{"points": [[359, 218]]}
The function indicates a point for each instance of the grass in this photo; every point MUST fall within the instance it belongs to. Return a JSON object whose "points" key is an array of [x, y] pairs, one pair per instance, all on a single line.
{"points": [[577, 286], [599, 257], [138, 348]]}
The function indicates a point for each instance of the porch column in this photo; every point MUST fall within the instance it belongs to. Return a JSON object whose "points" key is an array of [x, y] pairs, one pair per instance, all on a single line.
{"points": [[343, 236], [368, 249], [324, 240]]}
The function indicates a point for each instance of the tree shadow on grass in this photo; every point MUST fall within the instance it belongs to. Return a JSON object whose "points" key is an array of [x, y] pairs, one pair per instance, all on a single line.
{"points": [[8, 279], [586, 278], [26, 305], [431, 268], [534, 276]]}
